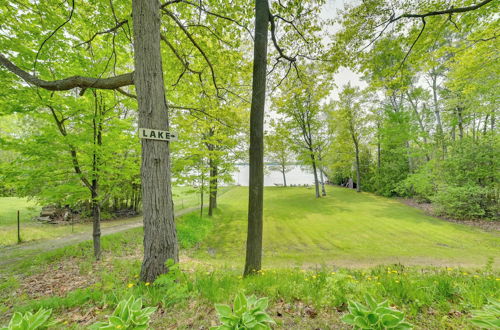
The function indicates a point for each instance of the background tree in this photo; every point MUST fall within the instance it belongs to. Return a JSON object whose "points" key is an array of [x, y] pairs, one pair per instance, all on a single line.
{"points": [[279, 150]]}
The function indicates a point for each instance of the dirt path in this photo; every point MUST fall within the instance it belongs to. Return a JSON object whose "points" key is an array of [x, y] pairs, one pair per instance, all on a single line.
{"points": [[11, 253]]}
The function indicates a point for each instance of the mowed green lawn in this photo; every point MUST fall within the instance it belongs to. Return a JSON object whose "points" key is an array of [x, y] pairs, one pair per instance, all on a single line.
{"points": [[345, 229]]}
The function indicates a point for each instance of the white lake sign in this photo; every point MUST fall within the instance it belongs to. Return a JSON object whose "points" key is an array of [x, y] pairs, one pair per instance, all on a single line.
{"points": [[156, 134]]}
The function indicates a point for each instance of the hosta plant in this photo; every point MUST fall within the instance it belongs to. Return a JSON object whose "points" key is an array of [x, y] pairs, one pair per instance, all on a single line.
{"points": [[488, 317], [247, 313], [375, 315], [29, 321], [128, 315]]}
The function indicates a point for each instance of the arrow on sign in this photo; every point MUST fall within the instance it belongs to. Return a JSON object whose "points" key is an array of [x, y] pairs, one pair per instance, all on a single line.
{"points": [[156, 134]]}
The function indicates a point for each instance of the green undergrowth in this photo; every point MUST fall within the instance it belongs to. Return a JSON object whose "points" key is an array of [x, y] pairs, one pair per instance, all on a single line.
{"points": [[430, 297]]}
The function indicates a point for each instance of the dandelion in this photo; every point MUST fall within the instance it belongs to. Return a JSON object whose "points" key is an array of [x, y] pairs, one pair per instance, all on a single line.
{"points": [[498, 279], [465, 273], [449, 269], [314, 276], [397, 281], [379, 283], [147, 283], [394, 271], [476, 276], [118, 326], [333, 273], [130, 285]]}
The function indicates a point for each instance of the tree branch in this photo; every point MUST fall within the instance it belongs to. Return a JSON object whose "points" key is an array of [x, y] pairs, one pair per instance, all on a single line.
{"points": [[71, 82], [445, 11], [110, 30], [52, 34], [190, 37]]}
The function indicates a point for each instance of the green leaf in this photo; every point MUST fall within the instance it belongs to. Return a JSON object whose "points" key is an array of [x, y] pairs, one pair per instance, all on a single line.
{"points": [[223, 310]]}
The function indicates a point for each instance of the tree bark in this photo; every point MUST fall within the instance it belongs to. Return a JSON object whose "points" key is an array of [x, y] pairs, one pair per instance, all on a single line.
{"points": [[213, 181], [315, 172], [283, 171], [202, 187], [96, 221], [96, 207], [253, 260], [358, 175], [460, 123], [160, 237], [323, 191]]}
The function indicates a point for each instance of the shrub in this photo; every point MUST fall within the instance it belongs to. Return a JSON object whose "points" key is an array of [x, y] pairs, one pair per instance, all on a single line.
{"points": [[460, 202], [128, 315], [247, 313], [488, 317], [375, 316], [29, 321]]}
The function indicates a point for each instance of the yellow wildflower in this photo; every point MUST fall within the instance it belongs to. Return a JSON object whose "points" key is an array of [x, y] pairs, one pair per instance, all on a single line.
{"points": [[498, 279], [147, 283], [136, 276], [130, 285], [476, 276], [449, 269]]}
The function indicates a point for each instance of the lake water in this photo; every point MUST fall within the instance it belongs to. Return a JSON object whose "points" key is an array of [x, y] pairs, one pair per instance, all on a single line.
{"points": [[298, 175]]}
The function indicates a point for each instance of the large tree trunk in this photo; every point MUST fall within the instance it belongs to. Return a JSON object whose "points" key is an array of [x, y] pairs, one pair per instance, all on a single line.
{"points": [[212, 203], [160, 238], [315, 172], [253, 260]]}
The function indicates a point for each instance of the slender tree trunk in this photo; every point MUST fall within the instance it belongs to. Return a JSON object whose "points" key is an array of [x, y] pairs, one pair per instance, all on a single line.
{"points": [[96, 207], [283, 171], [202, 198], [378, 147], [323, 191], [160, 237], [439, 125], [316, 183], [212, 203], [253, 260], [460, 123], [96, 221], [358, 175], [485, 127]]}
